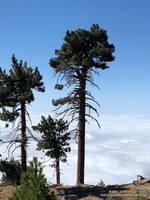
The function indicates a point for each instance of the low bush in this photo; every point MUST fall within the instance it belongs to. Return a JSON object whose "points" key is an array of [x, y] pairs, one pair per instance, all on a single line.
{"points": [[11, 172], [33, 184]]}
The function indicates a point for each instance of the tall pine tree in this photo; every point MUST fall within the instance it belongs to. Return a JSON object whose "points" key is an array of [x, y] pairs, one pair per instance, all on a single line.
{"points": [[80, 56], [16, 92]]}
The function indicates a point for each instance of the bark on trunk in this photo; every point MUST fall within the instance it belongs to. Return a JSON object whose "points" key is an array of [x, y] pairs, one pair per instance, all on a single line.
{"points": [[24, 139], [57, 172], [81, 133]]}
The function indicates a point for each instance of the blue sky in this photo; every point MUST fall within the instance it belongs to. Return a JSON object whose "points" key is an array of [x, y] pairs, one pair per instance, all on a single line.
{"points": [[34, 29]]}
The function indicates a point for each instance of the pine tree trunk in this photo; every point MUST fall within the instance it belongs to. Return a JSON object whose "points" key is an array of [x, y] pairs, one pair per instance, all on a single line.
{"points": [[57, 172], [23, 138], [81, 133]]}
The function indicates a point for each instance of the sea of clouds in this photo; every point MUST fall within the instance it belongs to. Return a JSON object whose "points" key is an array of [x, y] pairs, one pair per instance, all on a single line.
{"points": [[115, 153]]}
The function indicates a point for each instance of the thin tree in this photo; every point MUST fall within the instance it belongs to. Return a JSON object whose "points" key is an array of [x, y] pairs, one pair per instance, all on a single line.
{"points": [[55, 140], [16, 92], [81, 54]]}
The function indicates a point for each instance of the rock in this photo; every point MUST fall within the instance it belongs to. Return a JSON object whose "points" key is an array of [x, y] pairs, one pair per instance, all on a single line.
{"points": [[68, 197], [141, 181]]}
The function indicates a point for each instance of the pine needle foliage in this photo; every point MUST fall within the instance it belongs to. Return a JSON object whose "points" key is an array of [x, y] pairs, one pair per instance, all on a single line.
{"points": [[81, 55], [11, 172], [33, 184], [16, 92], [54, 140]]}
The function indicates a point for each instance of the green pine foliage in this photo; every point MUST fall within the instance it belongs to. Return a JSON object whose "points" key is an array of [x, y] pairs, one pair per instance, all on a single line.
{"points": [[54, 140], [54, 137], [33, 184], [17, 86], [11, 172]]}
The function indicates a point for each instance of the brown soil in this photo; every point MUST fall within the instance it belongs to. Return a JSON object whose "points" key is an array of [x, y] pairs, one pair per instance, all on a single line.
{"points": [[6, 191], [122, 192]]}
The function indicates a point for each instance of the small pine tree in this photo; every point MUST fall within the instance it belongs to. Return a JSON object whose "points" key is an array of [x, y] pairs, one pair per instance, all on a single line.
{"points": [[101, 183], [33, 184], [55, 140]]}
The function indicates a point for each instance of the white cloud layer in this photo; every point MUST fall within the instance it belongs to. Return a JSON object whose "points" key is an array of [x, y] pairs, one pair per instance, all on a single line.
{"points": [[116, 153]]}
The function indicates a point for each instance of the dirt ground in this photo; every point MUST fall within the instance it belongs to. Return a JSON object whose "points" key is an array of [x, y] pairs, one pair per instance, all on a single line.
{"points": [[6, 191], [122, 192]]}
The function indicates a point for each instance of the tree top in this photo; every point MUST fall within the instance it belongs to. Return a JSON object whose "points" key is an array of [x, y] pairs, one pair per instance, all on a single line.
{"points": [[84, 48]]}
